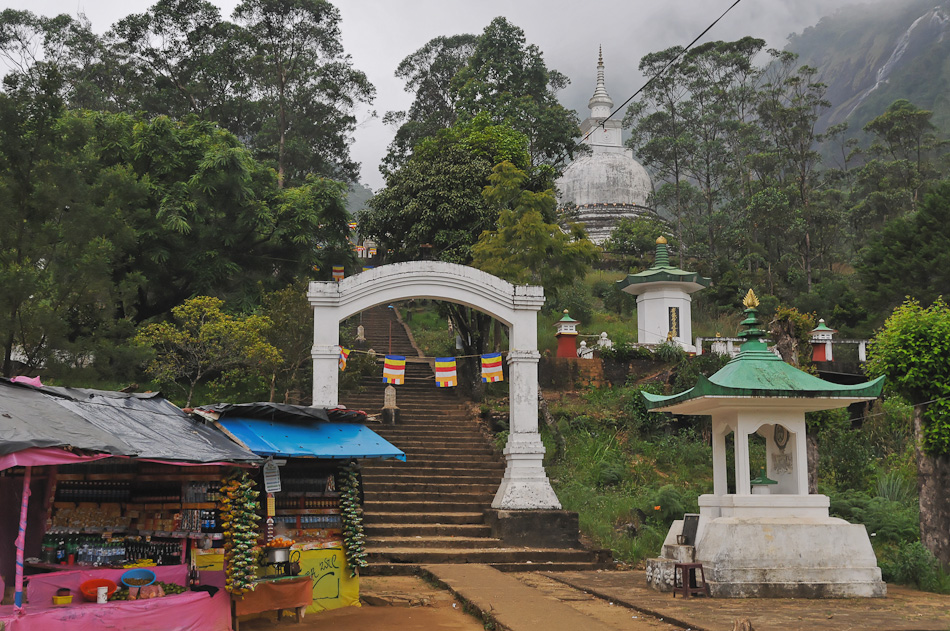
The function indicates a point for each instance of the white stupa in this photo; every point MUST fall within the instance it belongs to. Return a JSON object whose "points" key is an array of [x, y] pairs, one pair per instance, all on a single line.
{"points": [[608, 184]]}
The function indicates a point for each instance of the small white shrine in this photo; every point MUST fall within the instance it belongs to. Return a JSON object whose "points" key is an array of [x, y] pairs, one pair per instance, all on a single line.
{"points": [[767, 536], [664, 311]]}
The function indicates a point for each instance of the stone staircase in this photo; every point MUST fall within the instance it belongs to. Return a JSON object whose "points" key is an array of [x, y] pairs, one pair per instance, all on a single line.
{"points": [[430, 509]]}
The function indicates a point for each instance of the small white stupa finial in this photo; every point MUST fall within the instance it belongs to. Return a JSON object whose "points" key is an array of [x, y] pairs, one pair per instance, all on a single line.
{"points": [[600, 97]]}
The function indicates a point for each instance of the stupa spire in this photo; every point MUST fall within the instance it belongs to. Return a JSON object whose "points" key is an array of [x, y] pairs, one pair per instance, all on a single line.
{"points": [[600, 101]]}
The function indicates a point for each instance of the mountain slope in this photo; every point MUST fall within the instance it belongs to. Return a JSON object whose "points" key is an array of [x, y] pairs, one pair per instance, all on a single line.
{"points": [[871, 55]]}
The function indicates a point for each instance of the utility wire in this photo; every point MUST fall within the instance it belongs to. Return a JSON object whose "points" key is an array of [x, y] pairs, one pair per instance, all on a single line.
{"points": [[660, 73]]}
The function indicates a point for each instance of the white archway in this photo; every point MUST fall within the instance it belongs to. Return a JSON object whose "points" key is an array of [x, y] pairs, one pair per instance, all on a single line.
{"points": [[525, 484]]}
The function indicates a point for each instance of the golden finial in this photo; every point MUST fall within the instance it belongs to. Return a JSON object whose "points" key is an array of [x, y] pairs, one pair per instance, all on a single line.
{"points": [[660, 240], [750, 301]]}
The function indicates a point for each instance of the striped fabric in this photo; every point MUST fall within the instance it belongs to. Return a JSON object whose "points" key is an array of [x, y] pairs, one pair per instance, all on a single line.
{"points": [[491, 368], [445, 373], [394, 369], [337, 273], [344, 355]]}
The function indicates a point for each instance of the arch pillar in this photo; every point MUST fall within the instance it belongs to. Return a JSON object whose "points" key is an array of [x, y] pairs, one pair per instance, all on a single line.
{"points": [[525, 484]]}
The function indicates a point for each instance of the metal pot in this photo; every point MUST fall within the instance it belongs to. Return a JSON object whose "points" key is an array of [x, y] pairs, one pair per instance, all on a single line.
{"points": [[277, 555]]}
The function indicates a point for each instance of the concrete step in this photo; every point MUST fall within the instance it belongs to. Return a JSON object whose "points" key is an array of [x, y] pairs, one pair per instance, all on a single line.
{"points": [[432, 509], [371, 517], [424, 486], [428, 530], [478, 555], [440, 542], [408, 478], [418, 496], [412, 569]]}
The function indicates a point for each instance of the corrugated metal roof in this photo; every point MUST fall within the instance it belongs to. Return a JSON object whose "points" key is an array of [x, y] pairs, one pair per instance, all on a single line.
{"points": [[315, 440], [142, 425]]}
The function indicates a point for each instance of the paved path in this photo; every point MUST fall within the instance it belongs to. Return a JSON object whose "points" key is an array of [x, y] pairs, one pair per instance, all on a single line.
{"points": [[509, 602], [902, 610]]}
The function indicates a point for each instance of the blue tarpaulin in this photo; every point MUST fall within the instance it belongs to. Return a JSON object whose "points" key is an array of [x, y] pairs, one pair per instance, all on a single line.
{"points": [[314, 440]]}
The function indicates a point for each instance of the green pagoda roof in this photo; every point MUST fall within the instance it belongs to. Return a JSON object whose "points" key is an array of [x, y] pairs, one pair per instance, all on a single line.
{"points": [[567, 318], [757, 375], [663, 273]]}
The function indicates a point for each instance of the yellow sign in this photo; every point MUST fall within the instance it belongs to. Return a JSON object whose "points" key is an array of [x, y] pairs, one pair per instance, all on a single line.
{"points": [[332, 585]]}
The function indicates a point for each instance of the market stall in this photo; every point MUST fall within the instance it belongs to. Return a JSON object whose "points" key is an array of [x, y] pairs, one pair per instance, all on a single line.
{"points": [[116, 480], [313, 507]]}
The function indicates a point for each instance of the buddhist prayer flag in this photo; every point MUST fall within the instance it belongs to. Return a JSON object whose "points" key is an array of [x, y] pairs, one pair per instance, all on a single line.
{"points": [[352, 225], [491, 368], [337, 273], [344, 355], [445, 374], [394, 369]]}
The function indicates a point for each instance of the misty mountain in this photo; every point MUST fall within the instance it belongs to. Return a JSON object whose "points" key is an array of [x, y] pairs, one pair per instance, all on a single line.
{"points": [[871, 55]]}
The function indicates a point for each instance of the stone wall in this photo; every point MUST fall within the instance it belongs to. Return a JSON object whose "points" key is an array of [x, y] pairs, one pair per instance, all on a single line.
{"points": [[570, 373]]}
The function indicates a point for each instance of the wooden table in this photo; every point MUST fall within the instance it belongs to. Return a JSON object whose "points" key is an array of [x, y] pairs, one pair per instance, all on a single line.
{"points": [[274, 594]]}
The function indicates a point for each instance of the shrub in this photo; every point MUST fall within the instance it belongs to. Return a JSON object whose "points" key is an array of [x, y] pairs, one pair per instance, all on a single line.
{"points": [[887, 521], [913, 564], [895, 487]]}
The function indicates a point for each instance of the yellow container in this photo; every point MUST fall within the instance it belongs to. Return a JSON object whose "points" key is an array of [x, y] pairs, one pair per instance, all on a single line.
{"points": [[62, 600]]}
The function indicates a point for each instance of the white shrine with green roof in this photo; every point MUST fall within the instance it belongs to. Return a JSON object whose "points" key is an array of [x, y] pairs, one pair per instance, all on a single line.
{"points": [[664, 311], [767, 536]]}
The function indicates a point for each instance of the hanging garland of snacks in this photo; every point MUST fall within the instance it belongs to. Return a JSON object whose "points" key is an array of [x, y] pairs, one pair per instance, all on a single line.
{"points": [[352, 517], [239, 518]]}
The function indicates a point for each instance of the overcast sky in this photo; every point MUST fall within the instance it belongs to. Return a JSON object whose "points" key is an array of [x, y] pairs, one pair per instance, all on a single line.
{"points": [[378, 34]]}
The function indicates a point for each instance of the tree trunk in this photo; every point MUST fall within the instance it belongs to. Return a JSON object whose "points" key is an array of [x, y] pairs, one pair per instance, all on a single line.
{"points": [[933, 484], [560, 445], [811, 449]]}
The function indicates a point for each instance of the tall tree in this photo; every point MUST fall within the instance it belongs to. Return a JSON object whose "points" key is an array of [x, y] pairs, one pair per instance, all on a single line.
{"points": [[527, 247], [309, 87], [911, 352], [792, 102], [910, 255], [508, 79], [428, 73], [432, 206], [659, 132], [58, 245], [181, 58]]}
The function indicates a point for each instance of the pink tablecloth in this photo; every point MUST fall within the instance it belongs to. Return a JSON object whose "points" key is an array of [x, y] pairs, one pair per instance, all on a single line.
{"points": [[42, 587], [191, 611]]}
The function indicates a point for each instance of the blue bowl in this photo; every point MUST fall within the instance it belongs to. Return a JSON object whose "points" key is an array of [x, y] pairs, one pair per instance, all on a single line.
{"points": [[139, 573]]}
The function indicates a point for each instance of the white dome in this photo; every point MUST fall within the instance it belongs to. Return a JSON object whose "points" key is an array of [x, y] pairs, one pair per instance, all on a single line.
{"points": [[604, 178]]}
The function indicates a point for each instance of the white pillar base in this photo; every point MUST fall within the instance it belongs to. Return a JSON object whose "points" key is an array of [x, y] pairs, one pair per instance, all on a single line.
{"points": [[525, 485]]}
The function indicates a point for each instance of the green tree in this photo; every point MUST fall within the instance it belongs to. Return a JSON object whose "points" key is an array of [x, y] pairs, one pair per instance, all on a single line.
{"points": [[901, 167], [911, 352], [291, 333], [59, 243], [428, 73], [636, 239], [911, 255], [508, 79], [525, 248], [309, 87], [179, 57], [433, 206], [791, 103], [204, 344]]}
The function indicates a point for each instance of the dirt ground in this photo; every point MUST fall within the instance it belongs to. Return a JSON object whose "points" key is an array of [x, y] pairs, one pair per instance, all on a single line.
{"points": [[408, 603], [403, 603]]}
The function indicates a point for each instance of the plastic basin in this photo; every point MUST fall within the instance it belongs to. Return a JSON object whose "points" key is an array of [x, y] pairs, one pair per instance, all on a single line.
{"points": [[138, 574], [88, 588]]}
